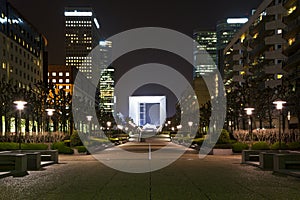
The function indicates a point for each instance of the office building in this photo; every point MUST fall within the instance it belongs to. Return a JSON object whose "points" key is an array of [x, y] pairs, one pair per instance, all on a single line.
{"points": [[206, 45], [107, 82], [225, 31], [81, 36], [22, 47], [106, 87], [62, 77]]}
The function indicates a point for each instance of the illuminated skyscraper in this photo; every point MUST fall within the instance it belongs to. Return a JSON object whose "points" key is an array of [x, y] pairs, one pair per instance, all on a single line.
{"points": [[206, 43], [107, 82], [81, 36]]}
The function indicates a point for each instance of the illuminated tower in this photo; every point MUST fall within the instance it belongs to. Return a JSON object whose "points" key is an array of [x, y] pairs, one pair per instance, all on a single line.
{"points": [[81, 36]]}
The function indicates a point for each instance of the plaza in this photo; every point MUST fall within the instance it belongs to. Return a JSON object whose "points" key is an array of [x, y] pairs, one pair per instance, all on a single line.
{"points": [[214, 177]]}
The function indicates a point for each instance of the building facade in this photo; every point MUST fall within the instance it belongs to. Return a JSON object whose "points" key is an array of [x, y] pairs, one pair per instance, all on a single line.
{"points": [[262, 60], [23, 57], [225, 30], [107, 87], [205, 44], [62, 77], [81, 36]]}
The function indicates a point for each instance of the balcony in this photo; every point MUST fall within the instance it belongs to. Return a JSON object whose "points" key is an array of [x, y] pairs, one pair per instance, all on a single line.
{"points": [[276, 54], [238, 67], [238, 46], [293, 60], [272, 83], [274, 39], [238, 78], [237, 57], [277, 9], [289, 50], [274, 69], [276, 24]]}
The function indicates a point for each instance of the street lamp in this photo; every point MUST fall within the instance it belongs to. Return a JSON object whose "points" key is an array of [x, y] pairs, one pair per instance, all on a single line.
{"points": [[249, 113], [289, 118], [50, 114], [108, 124], [279, 106], [89, 118], [190, 125], [20, 106]]}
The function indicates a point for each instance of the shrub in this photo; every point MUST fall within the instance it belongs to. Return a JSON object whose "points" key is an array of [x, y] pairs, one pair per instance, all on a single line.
{"points": [[239, 147], [5, 146], [294, 146], [33, 146], [275, 146], [224, 137], [60, 146], [81, 149], [75, 139], [198, 141], [260, 146]]}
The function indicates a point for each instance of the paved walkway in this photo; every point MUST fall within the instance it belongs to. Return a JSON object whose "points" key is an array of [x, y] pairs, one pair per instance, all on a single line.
{"points": [[215, 177]]}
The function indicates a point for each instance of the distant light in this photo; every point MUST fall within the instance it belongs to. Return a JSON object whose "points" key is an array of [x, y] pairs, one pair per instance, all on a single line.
{"points": [[96, 23], [76, 13], [237, 20]]}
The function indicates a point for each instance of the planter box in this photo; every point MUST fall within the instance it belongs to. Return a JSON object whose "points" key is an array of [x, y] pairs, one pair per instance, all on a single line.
{"points": [[222, 151]]}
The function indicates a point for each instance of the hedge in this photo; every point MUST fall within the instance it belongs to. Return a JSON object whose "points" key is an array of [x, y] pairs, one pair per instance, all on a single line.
{"points": [[6, 146]]}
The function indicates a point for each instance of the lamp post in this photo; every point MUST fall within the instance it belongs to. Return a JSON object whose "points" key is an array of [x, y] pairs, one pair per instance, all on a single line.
{"points": [[289, 118], [279, 106], [190, 125], [20, 107], [89, 118], [50, 114], [249, 113], [108, 124]]}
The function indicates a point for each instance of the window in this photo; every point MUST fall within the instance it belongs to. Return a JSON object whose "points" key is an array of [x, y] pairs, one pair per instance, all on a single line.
{"points": [[67, 87], [53, 73], [60, 80], [60, 74], [53, 80], [67, 80], [67, 74], [279, 31]]}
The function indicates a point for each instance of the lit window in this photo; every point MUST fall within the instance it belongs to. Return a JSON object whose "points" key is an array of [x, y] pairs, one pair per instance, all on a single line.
{"points": [[60, 87], [60, 80], [279, 76], [60, 74], [53, 73], [67, 87], [67, 80], [279, 31], [53, 80], [292, 9], [291, 41]]}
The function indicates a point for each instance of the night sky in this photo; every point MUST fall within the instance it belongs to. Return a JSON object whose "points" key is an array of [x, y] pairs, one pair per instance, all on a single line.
{"points": [[116, 16]]}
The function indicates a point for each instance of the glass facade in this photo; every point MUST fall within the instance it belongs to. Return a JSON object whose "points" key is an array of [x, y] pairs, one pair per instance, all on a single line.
{"points": [[81, 36]]}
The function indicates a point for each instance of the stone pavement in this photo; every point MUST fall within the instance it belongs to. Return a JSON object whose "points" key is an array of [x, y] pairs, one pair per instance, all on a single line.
{"points": [[215, 177]]}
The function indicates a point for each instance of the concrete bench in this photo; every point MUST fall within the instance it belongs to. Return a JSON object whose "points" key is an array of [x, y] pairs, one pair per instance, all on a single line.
{"points": [[250, 156], [15, 163], [286, 162], [266, 159], [40, 158]]}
